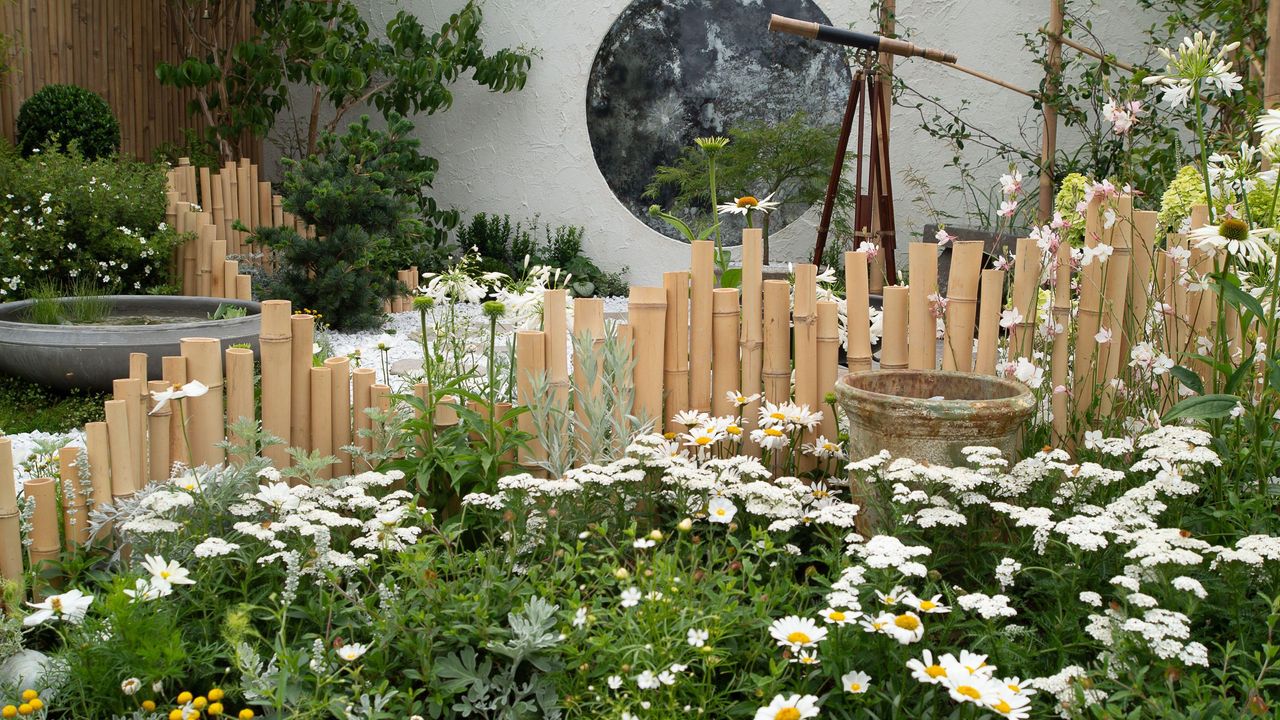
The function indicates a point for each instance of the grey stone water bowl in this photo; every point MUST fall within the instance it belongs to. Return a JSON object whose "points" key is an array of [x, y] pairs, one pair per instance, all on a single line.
{"points": [[92, 356], [931, 415]]}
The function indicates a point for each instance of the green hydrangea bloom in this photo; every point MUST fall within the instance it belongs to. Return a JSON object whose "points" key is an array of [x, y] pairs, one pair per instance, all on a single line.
{"points": [[1064, 203], [1186, 190]]}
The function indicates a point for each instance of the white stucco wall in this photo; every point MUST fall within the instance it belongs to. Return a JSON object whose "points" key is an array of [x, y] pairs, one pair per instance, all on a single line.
{"points": [[528, 152]]}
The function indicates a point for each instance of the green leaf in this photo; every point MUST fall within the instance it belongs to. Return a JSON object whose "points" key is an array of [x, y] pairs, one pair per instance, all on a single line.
{"points": [[1187, 377], [1202, 407], [1239, 298], [731, 278]]}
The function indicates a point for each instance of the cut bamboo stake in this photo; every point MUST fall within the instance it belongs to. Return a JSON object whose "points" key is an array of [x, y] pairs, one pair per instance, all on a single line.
{"points": [[726, 372], [893, 344], [97, 446], [530, 363], [239, 391], [175, 376], [989, 323], [1117, 272], [362, 380], [702, 282], [75, 510], [805, 319], [1026, 278], [777, 341], [625, 338], [322, 415], [126, 390], [752, 325], [646, 313], [303, 329], [262, 210], [1061, 344], [922, 327], [244, 206], [675, 346], [138, 371], [10, 531], [205, 236], [158, 464], [207, 426], [275, 348], [555, 325], [340, 399], [588, 318], [44, 522], [1141, 275], [218, 208], [380, 400], [828, 363], [218, 264], [1089, 315], [962, 305], [857, 311], [122, 483]]}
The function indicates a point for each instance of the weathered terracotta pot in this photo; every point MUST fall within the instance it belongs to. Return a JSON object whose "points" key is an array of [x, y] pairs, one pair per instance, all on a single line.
{"points": [[931, 415]]}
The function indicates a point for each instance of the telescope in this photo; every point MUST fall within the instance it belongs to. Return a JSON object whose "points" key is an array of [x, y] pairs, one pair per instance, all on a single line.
{"points": [[855, 39]]}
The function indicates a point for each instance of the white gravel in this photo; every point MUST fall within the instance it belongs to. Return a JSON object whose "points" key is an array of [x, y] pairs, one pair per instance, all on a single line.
{"points": [[24, 444]]}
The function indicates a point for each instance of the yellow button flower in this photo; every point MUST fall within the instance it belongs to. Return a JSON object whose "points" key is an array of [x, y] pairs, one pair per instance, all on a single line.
{"points": [[246, 714], [29, 695], [216, 694], [184, 697], [149, 705], [215, 709], [9, 711]]}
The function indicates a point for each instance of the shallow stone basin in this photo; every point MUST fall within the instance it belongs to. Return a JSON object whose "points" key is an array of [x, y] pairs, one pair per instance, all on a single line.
{"points": [[92, 356]]}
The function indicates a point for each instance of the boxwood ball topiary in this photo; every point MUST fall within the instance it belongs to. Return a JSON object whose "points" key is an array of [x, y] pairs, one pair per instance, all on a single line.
{"points": [[62, 113]]}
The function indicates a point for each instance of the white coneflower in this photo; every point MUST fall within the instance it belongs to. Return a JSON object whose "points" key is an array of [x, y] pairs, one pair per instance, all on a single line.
{"points": [[1235, 238]]}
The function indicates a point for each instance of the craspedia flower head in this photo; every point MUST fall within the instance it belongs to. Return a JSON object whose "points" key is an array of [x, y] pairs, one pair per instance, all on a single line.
{"points": [[423, 303], [494, 309]]}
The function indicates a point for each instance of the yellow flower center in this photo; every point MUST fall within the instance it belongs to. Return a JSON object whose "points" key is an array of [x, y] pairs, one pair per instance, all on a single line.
{"points": [[721, 512], [741, 400], [808, 660], [56, 604], [855, 687], [703, 440], [798, 638], [927, 605], [164, 574], [1015, 688], [906, 622], [777, 416], [1002, 707], [837, 616], [787, 714], [773, 432], [733, 430], [935, 671], [669, 436], [969, 691], [748, 201]]}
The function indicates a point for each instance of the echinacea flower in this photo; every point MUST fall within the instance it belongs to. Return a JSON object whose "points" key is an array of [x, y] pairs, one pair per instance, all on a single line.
{"points": [[790, 707], [1235, 238], [795, 632], [747, 204], [70, 607]]}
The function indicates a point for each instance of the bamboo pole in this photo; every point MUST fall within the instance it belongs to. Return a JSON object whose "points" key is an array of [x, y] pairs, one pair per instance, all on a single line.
{"points": [[303, 331], [1089, 315], [962, 305], [857, 311], [244, 205], [205, 236], [158, 464], [922, 326], [97, 446], [1049, 112], [340, 403], [530, 363], [893, 343], [1061, 345], [138, 371], [10, 532], [218, 265], [122, 474], [1026, 280], [239, 364], [1142, 273], [752, 325], [321, 424], [702, 281], [646, 313], [207, 426], [588, 320], [805, 319], [244, 287], [989, 324], [175, 375], [777, 341], [624, 336], [726, 371], [675, 346], [126, 390], [380, 400], [227, 210], [75, 506], [1118, 276], [828, 363], [230, 270], [262, 211], [44, 522], [362, 381], [555, 325], [218, 207]]}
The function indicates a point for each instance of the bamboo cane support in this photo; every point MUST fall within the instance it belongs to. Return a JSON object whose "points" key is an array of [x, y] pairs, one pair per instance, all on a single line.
{"points": [[206, 235], [726, 372], [206, 193], [275, 348], [262, 210], [239, 363], [138, 371], [10, 532], [244, 287], [44, 522], [675, 346], [230, 271], [362, 380], [962, 305], [228, 197], [1089, 316], [75, 505], [1141, 275], [777, 341], [322, 415], [702, 282], [122, 473], [126, 390], [97, 446], [893, 343], [218, 265], [340, 403], [828, 363], [588, 319], [303, 330], [752, 326], [174, 372], [922, 325], [380, 400], [625, 337], [207, 429], [989, 322], [1026, 279], [555, 325], [1061, 345], [646, 313], [244, 205], [158, 464], [857, 311], [447, 412], [530, 363], [1116, 287], [805, 320], [218, 208]]}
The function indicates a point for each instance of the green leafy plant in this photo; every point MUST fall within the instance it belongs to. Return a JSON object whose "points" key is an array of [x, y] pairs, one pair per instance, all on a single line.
{"points": [[505, 247], [58, 115]]}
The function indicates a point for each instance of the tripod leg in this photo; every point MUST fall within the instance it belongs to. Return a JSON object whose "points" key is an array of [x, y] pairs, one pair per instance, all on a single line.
{"points": [[837, 166]]}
